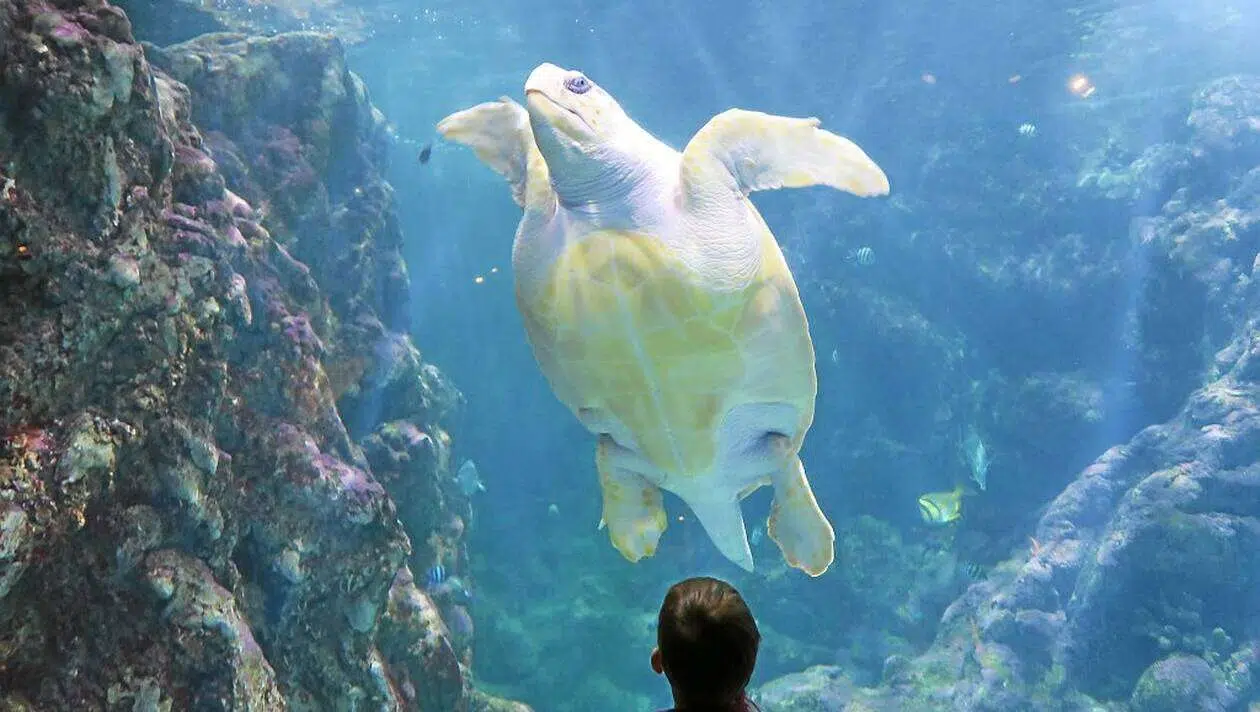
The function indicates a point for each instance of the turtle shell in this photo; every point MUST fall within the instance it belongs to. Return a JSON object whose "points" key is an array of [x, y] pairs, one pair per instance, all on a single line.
{"points": [[620, 323]]}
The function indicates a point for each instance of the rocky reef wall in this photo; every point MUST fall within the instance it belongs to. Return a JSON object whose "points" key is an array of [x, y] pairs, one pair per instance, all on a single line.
{"points": [[1138, 589], [221, 456]]}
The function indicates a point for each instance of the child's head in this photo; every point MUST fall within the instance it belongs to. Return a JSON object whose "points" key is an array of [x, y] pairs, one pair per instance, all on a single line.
{"points": [[707, 643]]}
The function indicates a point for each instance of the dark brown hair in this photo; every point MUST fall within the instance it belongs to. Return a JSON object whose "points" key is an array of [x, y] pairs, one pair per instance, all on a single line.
{"points": [[708, 642]]}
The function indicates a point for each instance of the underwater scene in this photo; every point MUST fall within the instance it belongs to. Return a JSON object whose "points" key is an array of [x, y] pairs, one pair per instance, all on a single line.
{"points": [[403, 354]]}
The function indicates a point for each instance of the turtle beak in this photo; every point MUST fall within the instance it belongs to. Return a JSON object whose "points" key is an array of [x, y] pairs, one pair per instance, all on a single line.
{"points": [[545, 99], [545, 76], [544, 87]]}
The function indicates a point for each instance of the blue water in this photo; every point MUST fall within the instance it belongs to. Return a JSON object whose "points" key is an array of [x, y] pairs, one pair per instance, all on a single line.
{"points": [[962, 305]]}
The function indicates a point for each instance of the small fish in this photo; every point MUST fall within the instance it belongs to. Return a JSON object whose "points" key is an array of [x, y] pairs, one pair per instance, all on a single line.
{"points": [[1027, 130], [972, 570], [939, 508], [468, 479], [863, 256], [553, 509], [435, 577], [977, 456], [426, 152]]}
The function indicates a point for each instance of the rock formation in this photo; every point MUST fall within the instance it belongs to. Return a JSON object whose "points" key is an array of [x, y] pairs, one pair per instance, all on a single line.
{"points": [[1140, 587], [221, 457]]}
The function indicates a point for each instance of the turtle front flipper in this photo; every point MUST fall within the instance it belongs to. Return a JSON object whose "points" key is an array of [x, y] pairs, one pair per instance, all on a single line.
{"points": [[499, 133], [763, 152], [633, 511], [797, 524]]}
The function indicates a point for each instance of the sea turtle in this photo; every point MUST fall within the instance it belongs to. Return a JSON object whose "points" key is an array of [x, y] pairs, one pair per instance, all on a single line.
{"points": [[659, 306]]}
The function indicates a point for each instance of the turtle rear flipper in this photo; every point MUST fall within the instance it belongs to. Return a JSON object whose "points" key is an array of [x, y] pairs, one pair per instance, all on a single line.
{"points": [[633, 508], [797, 524]]}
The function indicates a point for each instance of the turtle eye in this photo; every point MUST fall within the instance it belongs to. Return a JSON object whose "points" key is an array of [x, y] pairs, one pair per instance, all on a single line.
{"points": [[578, 84]]}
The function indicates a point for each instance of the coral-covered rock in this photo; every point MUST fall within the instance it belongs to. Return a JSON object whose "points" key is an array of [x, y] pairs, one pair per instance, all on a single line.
{"points": [[186, 522], [1180, 683], [818, 689], [416, 644], [207, 628], [1154, 549], [1138, 584], [169, 21], [1224, 117]]}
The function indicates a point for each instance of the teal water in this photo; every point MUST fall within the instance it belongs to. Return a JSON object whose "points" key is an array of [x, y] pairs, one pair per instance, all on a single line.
{"points": [[1002, 296]]}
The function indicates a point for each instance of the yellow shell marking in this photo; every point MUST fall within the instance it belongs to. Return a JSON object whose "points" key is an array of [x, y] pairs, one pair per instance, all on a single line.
{"points": [[623, 325]]}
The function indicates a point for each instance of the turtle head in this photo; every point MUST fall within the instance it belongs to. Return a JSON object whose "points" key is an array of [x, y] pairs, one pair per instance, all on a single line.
{"points": [[582, 132]]}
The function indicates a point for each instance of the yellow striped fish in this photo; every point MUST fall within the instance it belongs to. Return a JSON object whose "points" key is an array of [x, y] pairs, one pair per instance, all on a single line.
{"points": [[941, 508]]}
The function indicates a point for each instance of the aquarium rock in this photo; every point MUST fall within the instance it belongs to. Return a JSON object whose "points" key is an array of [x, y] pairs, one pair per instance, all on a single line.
{"points": [[203, 313], [1137, 587]]}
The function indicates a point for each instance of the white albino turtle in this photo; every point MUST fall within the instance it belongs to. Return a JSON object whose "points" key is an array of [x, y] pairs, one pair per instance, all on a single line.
{"points": [[659, 306]]}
